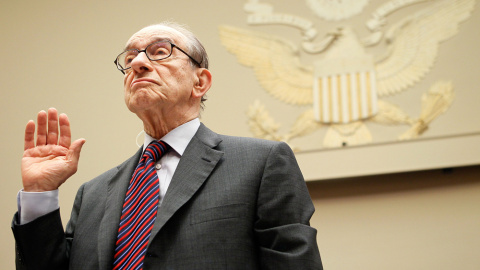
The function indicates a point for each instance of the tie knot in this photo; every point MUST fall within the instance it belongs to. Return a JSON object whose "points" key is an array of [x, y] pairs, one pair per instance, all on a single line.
{"points": [[155, 150]]}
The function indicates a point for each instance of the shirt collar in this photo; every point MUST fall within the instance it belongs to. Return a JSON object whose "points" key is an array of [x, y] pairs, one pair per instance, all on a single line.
{"points": [[179, 137]]}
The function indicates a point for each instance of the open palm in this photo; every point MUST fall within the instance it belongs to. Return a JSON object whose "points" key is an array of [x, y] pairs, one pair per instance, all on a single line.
{"points": [[53, 159]]}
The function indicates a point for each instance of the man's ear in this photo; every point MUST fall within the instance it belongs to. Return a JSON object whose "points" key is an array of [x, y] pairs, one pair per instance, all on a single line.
{"points": [[203, 82]]}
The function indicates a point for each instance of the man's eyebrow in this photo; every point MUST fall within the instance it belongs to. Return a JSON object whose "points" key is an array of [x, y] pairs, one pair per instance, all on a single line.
{"points": [[129, 45]]}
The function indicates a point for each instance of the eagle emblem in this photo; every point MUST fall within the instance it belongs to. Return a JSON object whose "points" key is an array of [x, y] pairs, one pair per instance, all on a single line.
{"points": [[347, 83]]}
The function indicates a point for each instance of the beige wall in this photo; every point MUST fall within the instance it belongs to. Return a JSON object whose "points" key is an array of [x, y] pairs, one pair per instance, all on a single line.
{"points": [[416, 220], [60, 54]]}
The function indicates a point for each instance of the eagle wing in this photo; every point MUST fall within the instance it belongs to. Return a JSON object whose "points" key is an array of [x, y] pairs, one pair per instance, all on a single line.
{"points": [[275, 61], [415, 47]]}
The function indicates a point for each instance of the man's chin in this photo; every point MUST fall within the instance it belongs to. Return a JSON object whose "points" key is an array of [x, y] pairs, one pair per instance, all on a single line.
{"points": [[139, 106]]}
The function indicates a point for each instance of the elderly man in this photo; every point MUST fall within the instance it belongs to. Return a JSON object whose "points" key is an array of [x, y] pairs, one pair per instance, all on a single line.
{"points": [[189, 199]]}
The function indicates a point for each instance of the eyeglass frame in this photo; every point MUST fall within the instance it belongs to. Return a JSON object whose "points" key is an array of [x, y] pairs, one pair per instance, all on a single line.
{"points": [[173, 45]]}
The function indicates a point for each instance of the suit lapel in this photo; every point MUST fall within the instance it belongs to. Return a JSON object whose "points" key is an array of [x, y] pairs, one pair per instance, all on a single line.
{"points": [[196, 164], [116, 190]]}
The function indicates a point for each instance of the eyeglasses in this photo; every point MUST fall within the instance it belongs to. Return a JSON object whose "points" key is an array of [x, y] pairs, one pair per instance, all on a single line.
{"points": [[156, 51]]}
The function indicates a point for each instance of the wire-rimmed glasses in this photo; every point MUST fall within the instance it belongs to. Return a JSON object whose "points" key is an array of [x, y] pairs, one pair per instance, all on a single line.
{"points": [[156, 51]]}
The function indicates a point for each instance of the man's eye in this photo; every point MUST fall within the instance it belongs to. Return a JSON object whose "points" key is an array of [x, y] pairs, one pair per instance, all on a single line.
{"points": [[161, 51], [158, 50], [129, 59]]}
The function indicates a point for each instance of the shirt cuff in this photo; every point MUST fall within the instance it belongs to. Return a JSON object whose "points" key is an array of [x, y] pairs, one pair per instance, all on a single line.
{"points": [[32, 205]]}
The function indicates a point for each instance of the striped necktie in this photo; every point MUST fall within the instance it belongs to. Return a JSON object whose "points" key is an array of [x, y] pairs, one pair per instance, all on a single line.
{"points": [[139, 210]]}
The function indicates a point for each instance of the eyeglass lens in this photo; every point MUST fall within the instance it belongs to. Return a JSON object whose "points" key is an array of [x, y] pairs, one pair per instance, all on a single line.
{"points": [[155, 51]]}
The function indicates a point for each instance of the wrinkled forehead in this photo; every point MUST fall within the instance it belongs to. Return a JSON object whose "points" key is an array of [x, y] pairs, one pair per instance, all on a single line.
{"points": [[153, 33]]}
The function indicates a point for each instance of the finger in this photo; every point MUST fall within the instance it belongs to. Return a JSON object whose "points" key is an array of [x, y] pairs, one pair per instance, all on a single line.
{"points": [[30, 135], [41, 128], [74, 151], [52, 136], [65, 134]]}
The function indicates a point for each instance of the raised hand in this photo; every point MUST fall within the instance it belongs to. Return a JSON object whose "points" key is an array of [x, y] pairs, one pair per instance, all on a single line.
{"points": [[53, 159]]}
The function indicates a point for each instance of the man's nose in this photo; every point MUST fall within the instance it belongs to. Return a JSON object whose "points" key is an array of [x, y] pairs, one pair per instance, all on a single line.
{"points": [[141, 63]]}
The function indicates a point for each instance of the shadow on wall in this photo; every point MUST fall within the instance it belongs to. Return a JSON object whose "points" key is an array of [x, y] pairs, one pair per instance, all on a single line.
{"points": [[394, 183]]}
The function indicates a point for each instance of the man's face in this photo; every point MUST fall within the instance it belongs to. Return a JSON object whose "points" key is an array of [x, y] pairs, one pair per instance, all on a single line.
{"points": [[155, 86]]}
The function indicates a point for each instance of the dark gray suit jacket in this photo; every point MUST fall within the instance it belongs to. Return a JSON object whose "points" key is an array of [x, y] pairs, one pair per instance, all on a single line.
{"points": [[233, 203]]}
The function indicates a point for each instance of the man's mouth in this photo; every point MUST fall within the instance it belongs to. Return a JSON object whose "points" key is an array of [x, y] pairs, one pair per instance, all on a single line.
{"points": [[143, 80]]}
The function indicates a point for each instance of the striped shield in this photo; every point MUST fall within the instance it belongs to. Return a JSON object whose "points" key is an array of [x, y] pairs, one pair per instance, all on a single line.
{"points": [[344, 88], [345, 98]]}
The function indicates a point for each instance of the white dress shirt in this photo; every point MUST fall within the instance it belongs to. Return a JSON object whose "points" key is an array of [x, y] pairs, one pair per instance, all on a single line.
{"points": [[32, 205]]}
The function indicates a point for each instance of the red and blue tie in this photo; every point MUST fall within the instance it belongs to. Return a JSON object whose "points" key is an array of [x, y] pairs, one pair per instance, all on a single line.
{"points": [[139, 210]]}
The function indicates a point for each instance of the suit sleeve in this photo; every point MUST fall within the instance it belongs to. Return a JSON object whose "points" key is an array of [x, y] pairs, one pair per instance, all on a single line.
{"points": [[43, 243], [284, 209], [40, 244]]}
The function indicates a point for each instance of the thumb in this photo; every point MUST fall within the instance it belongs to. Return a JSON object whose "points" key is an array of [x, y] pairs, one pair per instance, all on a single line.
{"points": [[74, 151]]}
